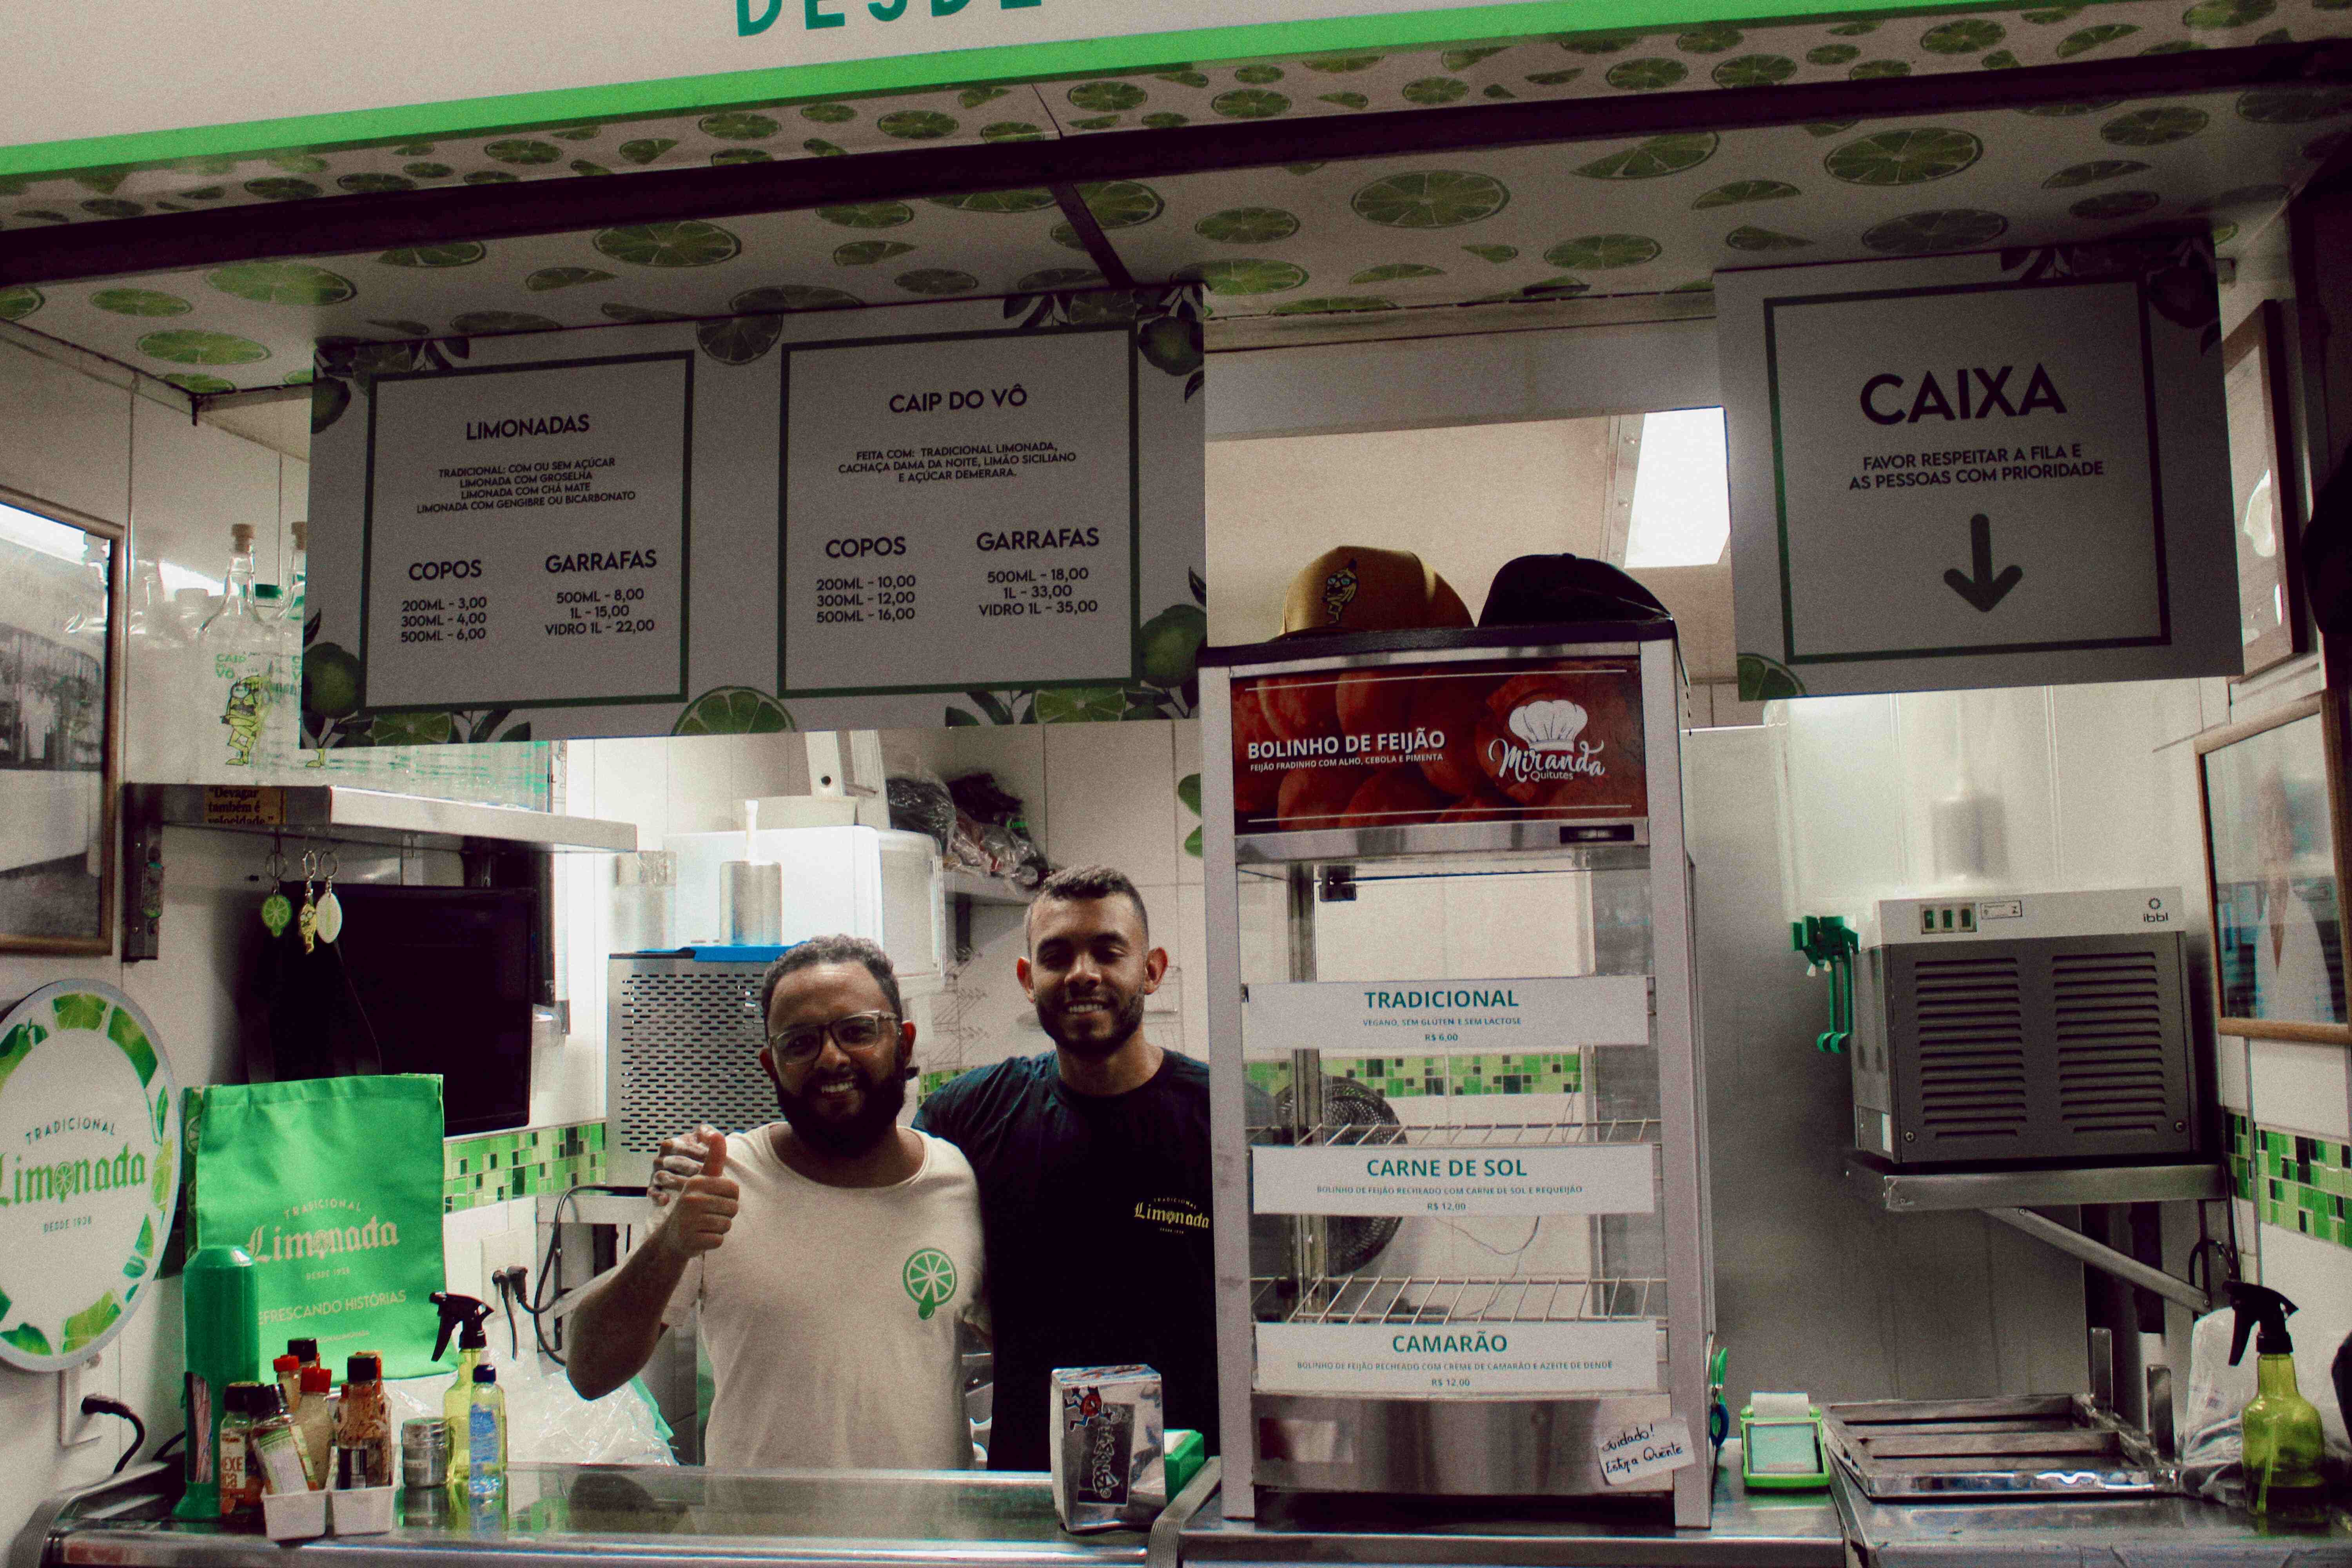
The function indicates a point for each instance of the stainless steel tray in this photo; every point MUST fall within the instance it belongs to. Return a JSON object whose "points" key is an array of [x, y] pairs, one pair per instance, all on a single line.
{"points": [[2031, 1445]]}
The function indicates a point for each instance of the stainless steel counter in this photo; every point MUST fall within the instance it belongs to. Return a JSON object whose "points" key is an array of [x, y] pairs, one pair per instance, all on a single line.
{"points": [[2076, 1534], [565, 1515], [1760, 1530]]}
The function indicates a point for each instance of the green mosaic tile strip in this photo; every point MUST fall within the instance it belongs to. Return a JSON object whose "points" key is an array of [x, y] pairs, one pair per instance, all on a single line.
{"points": [[501, 1166], [1418, 1077], [2294, 1180]]}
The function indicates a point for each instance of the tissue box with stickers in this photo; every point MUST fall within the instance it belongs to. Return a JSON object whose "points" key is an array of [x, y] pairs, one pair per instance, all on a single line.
{"points": [[1108, 1451]]}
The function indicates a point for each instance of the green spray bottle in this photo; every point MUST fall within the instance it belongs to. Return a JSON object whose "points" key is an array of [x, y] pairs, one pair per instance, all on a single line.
{"points": [[2282, 1433], [220, 1320], [466, 1316]]}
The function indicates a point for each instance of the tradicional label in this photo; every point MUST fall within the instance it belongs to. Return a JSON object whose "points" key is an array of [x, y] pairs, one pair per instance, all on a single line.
{"points": [[1644, 1448], [1403, 1179], [1457, 1358], [1446, 1018]]}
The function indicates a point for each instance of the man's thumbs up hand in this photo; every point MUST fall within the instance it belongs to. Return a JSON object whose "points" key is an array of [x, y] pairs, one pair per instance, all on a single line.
{"points": [[705, 1203]]}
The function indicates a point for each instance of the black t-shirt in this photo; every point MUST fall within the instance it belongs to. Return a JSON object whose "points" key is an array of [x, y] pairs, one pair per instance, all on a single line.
{"points": [[1097, 1216]]}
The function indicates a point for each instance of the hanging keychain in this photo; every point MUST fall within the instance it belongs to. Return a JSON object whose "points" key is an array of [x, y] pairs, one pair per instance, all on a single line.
{"points": [[329, 923], [277, 910], [306, 920]]}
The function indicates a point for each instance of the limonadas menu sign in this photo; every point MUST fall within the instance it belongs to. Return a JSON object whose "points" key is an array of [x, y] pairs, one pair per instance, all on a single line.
{"points": [[89, 1128], [828, 520]]}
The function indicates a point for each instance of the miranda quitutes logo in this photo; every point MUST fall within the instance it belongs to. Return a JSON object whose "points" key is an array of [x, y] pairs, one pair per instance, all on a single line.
{"points": [[1549, 731]]}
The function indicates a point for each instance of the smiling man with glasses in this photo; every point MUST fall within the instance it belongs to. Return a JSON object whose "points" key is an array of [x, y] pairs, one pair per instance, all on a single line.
{"points": [[832, 1253]]}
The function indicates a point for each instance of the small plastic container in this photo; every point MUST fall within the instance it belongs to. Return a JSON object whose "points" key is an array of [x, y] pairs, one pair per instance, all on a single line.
{"points": [[294, 1516], [362, 1511]]}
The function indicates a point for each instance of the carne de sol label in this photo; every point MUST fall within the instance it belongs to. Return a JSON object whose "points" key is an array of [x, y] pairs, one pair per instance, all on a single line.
{"points": [[90, 1133]]}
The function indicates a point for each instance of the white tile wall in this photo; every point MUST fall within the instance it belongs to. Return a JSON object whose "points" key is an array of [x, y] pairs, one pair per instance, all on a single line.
{"points": [[2231, 1072], [94, 446], [2316, 1276], [2302, 1089]]}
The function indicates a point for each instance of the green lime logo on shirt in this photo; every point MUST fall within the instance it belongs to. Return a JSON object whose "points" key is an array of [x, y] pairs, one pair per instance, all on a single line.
{"points": [[929, 1277]]}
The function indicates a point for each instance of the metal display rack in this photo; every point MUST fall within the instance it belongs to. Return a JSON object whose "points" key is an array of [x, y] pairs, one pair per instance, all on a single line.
{"points": [[1590, 1258]]}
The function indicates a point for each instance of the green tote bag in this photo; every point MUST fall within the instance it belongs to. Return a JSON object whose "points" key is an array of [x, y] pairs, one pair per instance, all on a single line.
{"points": [[334, 1185]]}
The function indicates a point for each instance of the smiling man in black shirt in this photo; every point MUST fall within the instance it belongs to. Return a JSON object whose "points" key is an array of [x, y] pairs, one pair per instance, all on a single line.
{"points": [[1093, 1161]]}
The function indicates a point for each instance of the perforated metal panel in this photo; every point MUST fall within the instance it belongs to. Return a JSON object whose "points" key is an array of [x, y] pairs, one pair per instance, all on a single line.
{"points": [[682, 1042], [1970, 1023], [2072, 1048], [2109, 1015]]}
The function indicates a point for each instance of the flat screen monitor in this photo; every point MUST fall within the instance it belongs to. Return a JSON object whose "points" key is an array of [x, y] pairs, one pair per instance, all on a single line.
{"points": [[422, 980]]}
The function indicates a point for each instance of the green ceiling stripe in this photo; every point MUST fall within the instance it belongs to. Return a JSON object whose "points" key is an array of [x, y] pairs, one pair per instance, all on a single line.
{"points": [[910, 73]]}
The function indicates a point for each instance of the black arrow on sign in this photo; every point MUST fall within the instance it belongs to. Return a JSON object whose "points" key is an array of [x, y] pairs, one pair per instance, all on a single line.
{"points": [[1984, 590]]}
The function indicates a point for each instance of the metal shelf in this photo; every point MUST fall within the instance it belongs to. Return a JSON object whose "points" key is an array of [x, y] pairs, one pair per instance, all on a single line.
{"points": [[332, 813], [367, 816], [1910, 1192], [1458, 1299], [1479, 1135], [984, 889]]}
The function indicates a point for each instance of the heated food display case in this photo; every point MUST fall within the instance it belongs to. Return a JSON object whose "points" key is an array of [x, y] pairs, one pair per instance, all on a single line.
{"points": [[1460, 1176]]}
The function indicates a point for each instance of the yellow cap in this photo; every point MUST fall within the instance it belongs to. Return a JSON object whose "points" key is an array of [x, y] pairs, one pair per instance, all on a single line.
{"points": [[1359, 588]]}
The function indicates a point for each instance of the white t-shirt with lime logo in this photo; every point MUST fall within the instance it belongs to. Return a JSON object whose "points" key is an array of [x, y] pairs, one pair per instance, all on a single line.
{"points": [[829, 1315]]}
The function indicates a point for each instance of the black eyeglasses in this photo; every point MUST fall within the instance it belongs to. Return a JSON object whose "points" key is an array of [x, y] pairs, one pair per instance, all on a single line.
{"points": [[803, 1043]]}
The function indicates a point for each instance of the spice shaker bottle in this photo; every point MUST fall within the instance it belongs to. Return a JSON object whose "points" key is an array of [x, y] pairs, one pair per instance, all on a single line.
{"points": [[363, 1456]]}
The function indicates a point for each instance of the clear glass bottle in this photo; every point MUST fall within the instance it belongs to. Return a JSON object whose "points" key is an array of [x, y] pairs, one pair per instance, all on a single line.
{"points": [[276, 1450], [237, 666], [291, 603], [240, 1477]]}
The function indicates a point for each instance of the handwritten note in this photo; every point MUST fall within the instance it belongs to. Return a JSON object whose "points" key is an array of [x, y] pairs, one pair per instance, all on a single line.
{"points": [[1644, 1448]]}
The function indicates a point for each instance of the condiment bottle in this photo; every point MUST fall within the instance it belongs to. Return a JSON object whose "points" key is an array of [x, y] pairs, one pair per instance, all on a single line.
{"points": [[363, 1456], [314, 1424], [276, 1453], [288, 1371], [240, 1478]]}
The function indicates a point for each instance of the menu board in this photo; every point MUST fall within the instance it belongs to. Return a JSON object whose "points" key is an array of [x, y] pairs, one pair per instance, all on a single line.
{"points": [[528, 542], [1493, 740], [943, 512], [937, 514]]}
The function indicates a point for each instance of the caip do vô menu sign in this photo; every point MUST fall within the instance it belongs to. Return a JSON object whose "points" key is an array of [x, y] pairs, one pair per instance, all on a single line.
{"points": [[2006, 469], [956, 513], [1399, 746]]}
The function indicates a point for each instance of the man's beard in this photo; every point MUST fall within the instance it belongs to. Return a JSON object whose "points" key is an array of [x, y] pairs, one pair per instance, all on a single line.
{"points": [[1125, 1019], [878, 1113]]}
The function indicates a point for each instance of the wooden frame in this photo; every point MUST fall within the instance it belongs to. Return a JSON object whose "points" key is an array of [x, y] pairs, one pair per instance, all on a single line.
{"points": [[22, 643], [2260, 396], [2325, 707]]}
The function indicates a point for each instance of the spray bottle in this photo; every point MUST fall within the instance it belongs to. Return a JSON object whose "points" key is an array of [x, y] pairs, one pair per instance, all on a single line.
{"points": [[466, 1316], [2281, 1435]]}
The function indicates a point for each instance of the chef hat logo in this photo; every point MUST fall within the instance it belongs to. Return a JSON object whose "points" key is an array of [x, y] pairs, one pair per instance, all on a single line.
{"points": [[1548, 726]]}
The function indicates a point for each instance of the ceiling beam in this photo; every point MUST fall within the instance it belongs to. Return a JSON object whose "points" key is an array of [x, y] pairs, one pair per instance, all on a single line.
{"points": [[336, 225]]}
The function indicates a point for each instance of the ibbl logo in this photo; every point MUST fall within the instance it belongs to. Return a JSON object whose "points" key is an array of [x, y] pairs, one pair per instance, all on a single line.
{"points": [[1549, 749]]}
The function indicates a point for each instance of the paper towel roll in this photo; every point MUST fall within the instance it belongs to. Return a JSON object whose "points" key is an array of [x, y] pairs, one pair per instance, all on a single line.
{"points": [[1780, 1406]]}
